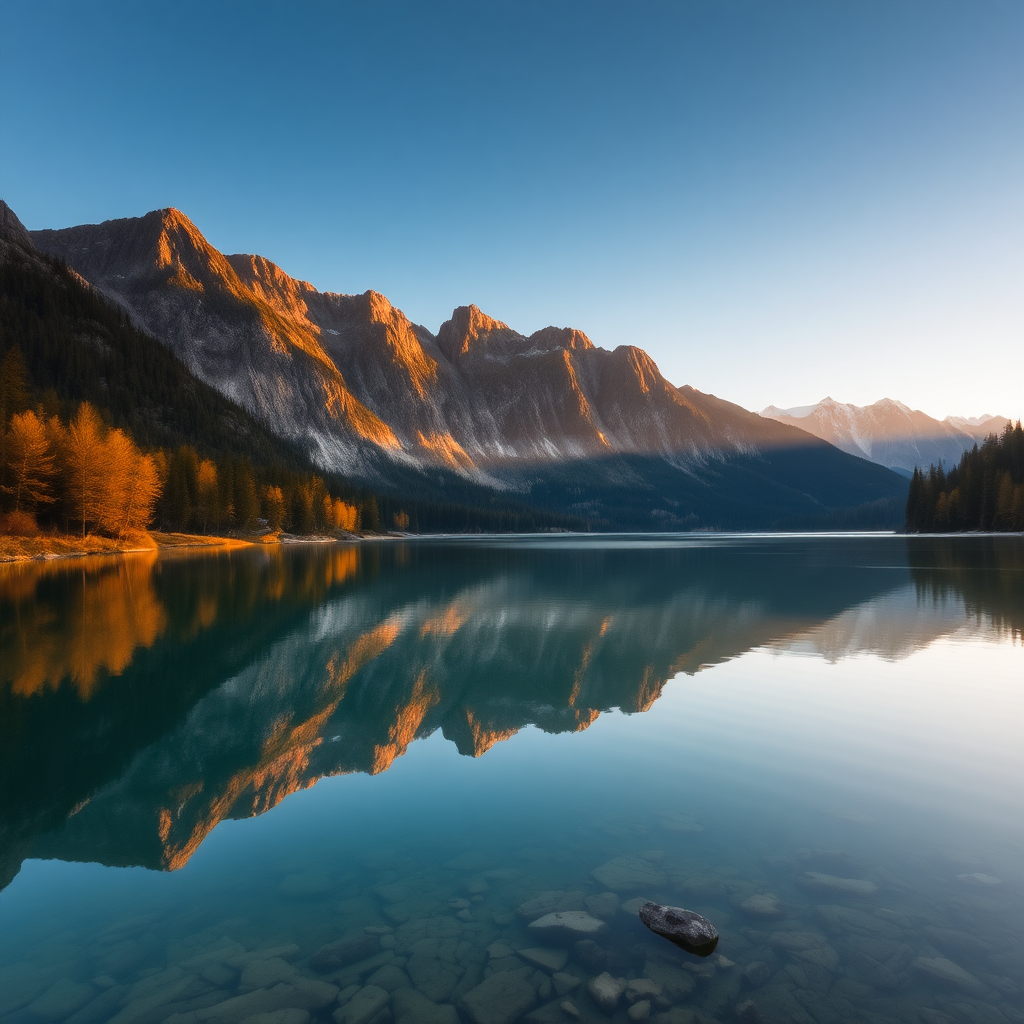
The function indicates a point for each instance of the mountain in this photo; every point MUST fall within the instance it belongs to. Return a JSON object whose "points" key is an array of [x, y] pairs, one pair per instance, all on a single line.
{"points": [[888, 433], [78, 346], [477, 408], [978, 427]]}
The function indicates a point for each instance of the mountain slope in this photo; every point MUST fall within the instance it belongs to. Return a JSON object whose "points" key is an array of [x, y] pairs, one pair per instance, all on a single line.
{"points": [[887, 433], [75, 343], [370, 394]]}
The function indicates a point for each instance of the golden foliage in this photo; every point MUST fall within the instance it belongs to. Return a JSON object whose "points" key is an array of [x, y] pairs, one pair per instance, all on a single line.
{"points": [[109, 609]]}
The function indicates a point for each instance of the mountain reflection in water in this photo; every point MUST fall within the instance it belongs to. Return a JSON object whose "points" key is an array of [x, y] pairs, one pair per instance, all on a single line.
{"points": [[146, 699]]}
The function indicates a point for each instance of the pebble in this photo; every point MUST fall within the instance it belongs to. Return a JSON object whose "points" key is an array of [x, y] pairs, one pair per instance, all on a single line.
{"points": [[639, 1011], [569, 1009]]}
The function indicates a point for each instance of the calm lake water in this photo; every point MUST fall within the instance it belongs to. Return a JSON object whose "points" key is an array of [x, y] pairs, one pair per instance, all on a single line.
{"points": [[341, 783]]}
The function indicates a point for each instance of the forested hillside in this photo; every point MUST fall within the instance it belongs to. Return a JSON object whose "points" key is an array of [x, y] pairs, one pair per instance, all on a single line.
{"points": [[984, 492]]}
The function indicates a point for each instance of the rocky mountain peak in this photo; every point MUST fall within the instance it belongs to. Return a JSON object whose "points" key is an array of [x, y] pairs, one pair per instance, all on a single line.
{"points": [[560, 337], [471, 329], [11, 229]]}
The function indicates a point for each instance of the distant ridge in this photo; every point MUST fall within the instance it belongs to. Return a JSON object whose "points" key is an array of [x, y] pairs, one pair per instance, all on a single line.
{"points": [[888, 432]]}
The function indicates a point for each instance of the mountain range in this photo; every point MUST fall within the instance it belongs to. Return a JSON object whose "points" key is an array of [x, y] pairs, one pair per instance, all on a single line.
{"points": [[478, 409], [889, 433]]}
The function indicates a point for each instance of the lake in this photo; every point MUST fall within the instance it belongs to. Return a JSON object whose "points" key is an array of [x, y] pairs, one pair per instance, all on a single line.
{"points": [[352, 783]]}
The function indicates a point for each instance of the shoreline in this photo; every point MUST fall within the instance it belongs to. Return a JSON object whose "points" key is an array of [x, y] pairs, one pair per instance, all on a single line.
{"points": [[59, 547]]}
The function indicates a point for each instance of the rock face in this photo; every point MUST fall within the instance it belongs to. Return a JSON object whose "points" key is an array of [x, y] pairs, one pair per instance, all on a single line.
{"points": [[374, 396], [686, 929]]}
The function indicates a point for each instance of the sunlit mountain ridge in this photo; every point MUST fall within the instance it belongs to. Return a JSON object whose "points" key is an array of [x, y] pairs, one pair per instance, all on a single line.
{"points": [[549, 419]]}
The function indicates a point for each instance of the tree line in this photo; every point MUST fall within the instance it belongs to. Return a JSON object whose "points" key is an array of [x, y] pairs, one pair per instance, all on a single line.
{"points": [[984, 492]]}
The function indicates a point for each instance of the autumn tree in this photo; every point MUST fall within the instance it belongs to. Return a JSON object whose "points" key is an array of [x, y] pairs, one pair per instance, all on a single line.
{"points": [[83, 466], [29, 463], [207, 496], [273, 508]]}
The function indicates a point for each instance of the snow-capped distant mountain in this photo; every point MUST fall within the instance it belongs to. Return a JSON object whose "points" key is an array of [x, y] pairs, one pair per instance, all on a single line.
{"points": [[888, 432], [979, 427]]}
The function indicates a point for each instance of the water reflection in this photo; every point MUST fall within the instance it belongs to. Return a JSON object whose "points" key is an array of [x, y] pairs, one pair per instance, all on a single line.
{"points": [[145, 700]]}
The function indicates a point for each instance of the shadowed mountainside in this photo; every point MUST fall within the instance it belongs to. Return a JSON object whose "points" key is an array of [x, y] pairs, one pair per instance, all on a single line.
{"points": [[261, 673], [370, 394]]}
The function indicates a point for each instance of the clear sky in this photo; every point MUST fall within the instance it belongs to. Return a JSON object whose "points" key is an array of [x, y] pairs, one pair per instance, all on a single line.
{"points": [[778, 200]]}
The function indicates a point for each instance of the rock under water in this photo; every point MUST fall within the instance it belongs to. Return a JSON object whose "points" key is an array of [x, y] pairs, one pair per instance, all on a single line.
{"points": [[686, 929]]}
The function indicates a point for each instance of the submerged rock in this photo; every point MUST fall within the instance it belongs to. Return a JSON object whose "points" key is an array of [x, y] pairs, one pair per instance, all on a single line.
{"points": [[756, 973], [639, 1011], [343, 952], [686, 929], [606, 991], [631, 873], [941, 969], [363, 1007], [762, 904], [831, 883], [549, 959], [980, 879], [571, 924], [748, 1013], [501, 998]]}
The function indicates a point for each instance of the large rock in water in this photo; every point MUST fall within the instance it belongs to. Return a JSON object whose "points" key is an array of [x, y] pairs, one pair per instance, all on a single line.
{"points": [[686, 929]]}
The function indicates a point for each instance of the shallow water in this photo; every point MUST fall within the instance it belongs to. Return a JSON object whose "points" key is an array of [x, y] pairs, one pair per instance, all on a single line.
{"points": [[216, 765]]}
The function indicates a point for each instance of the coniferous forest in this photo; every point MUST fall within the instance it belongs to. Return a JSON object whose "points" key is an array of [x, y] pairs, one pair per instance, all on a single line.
{"points": [[984, 492]]}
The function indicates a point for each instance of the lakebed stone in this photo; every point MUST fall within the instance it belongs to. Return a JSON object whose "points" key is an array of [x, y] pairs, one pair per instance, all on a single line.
{"points": [[568, 924], [548, 959], [945, 971], [363, 1007], [62, 999], [551, 902], [684, 928], [627, 874], [606, 991], [832, 883], [338, 954], [501, 998], [639, 1011], [410, 1007], [762, 904]]}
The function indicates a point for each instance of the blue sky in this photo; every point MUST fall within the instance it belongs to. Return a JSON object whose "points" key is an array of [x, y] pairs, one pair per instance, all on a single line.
{"points": [[778, 200]]}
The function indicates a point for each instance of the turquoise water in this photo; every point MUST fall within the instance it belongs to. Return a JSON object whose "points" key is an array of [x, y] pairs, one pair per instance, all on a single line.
{"points": [[216, 768]]}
